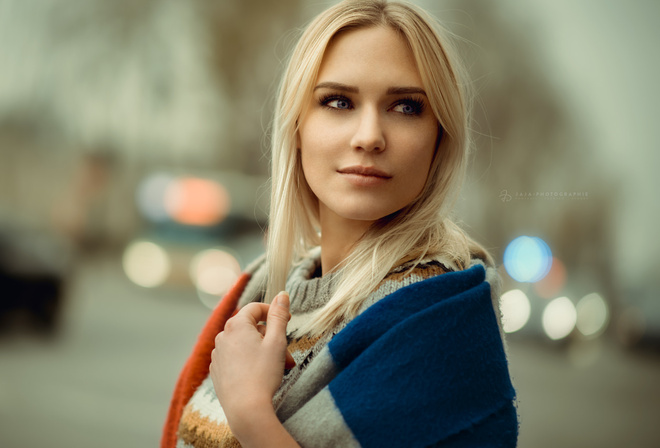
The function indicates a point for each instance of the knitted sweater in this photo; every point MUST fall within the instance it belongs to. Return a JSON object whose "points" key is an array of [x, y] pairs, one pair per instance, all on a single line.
{"points": [[378, 380]]}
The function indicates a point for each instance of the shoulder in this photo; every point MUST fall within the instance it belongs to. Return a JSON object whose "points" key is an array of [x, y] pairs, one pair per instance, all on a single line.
{"points": [[428, 271], [416, 341], [408, 273]]}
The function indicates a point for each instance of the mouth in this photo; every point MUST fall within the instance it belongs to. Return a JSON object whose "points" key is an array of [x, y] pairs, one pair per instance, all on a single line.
{"points": [[367, 171]]}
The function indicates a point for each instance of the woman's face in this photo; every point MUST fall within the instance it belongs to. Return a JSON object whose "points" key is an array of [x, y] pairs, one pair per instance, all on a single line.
{"points": [[368, 135]]}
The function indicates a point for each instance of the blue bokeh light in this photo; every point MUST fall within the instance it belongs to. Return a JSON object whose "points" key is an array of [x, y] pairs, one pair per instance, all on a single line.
{"points": [[150, 197], [527, 259]]}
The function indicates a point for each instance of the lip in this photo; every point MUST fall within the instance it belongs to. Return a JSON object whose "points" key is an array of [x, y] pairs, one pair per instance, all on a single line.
{"points": [[366, 171]]}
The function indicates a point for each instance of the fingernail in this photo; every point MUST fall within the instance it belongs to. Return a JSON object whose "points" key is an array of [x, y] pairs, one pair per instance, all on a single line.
{"points": [[283, 299]]}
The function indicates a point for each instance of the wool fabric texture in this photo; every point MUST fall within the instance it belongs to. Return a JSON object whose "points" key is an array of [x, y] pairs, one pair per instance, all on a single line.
{"points": [[423, 364]]}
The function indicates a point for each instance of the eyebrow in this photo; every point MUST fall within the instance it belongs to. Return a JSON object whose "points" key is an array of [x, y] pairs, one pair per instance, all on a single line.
{"points": [[352, 89], [405, 90], [337, 86]]}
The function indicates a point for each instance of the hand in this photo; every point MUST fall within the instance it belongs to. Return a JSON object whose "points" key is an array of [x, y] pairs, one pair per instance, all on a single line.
{"points": [[248, 361]]}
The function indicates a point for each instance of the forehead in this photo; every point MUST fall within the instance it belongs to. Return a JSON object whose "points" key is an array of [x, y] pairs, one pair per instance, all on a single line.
{"points": [[374, 55]]}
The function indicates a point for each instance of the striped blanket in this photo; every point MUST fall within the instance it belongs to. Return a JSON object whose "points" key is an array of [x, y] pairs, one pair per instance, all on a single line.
{"points": [[424, 366]]}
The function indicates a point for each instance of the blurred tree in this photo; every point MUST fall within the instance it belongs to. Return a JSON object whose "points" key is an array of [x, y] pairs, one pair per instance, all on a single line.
{"points": [[125, 73], [246, 53], [180, 86], [529, 140]]}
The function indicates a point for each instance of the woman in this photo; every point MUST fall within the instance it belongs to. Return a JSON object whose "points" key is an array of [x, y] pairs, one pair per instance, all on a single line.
{"points": [[386, 334]]}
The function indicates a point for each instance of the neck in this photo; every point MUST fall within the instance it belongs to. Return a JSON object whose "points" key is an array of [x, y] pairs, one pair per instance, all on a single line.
{"points": [[338, 237]]}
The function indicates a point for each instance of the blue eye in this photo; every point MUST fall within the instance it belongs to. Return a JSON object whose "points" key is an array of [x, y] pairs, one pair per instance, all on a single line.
{"points": [[336, 102], [409, 106]]}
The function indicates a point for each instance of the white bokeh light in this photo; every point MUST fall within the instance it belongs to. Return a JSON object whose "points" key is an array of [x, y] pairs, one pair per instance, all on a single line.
{"points": [[515, 309], [592, 315], [146, 264], [559, 317], [214, 271]]}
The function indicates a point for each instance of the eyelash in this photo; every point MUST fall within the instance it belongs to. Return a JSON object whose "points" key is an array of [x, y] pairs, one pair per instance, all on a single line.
{"points": [[416, 104]]}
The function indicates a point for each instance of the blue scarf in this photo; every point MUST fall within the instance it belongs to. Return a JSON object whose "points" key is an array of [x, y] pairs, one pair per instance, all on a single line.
{"points": [[424, 366]]}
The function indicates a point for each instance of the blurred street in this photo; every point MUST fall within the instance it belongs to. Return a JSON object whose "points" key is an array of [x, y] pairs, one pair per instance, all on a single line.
{"points": [[134, 173], [106, 380]]}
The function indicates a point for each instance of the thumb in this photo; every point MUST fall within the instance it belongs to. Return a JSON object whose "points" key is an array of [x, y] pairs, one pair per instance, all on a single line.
{"points": [[278, 316]]}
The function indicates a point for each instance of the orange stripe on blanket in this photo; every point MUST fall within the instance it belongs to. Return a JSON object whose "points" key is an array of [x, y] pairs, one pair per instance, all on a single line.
{"points": [[196, 368], [197, 430]]}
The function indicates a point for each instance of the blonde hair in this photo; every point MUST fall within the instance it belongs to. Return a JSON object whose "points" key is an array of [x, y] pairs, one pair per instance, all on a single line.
{"points": [[420, 229]]}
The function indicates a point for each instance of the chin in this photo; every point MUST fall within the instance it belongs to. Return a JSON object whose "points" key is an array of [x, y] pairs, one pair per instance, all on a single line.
{"points": [[367, 215]]}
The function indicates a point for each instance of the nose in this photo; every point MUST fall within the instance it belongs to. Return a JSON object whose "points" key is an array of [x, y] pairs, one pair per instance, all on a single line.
{"points": [[369, 134]]}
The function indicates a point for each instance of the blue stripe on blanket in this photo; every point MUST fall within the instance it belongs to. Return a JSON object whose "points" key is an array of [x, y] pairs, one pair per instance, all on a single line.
{"points": [[424, 364]]}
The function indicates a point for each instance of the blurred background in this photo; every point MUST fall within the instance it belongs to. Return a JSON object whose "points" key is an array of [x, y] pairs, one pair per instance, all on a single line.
{"points": [[133, 169]]}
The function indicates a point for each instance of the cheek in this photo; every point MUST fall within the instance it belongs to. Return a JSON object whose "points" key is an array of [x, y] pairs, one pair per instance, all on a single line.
{"points": [[311, 161], [303, 144], [307, 169], [418, 166], [316, 148], [417, 155], [308, 156]]}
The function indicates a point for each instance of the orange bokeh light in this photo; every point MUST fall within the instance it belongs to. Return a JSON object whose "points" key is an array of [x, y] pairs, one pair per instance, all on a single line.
{"points": [[197, 202], [551, 285]]}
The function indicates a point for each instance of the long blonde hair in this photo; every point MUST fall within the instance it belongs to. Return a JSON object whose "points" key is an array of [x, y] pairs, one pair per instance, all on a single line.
{"points": [[420, 229]]}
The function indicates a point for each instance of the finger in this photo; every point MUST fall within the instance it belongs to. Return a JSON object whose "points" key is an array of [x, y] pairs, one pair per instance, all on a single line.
{"points": [[262, 329], [213, 355], [278, 317], [252, 313]]}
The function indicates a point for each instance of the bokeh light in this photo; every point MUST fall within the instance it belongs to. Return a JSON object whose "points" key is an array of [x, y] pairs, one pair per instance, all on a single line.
{"points": [[551, 285], [150, 196], [527, 259], [515, 308], [592, 315], [214, 271], [559, 317], [146, 264], [198, 202]]}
